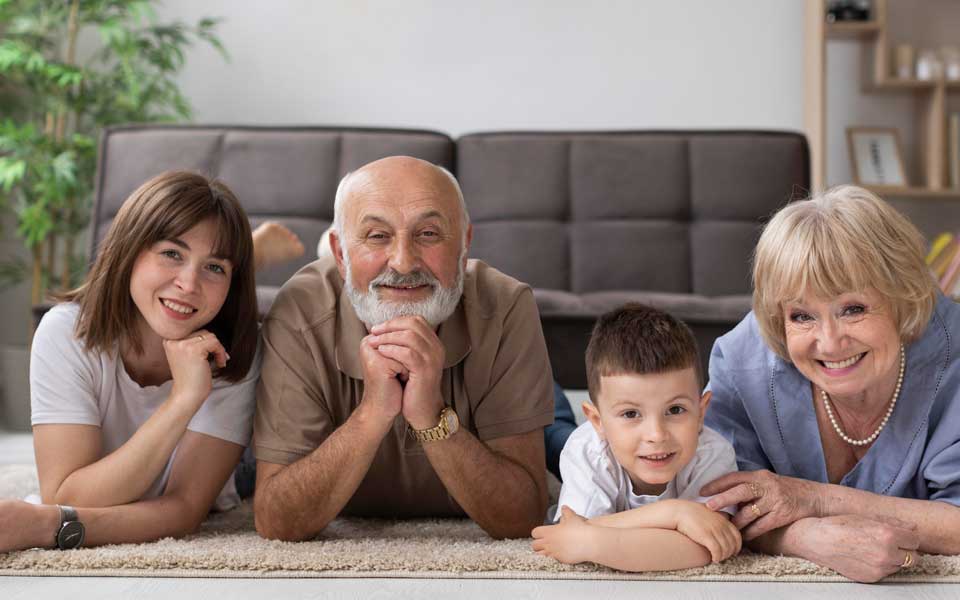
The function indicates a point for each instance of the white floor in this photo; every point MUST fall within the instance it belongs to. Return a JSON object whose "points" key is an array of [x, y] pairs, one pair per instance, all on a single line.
{"points": [[17, 448]]}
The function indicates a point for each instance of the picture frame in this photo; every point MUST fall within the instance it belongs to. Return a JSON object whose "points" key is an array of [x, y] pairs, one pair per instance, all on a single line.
{"points": [[876, 156]]}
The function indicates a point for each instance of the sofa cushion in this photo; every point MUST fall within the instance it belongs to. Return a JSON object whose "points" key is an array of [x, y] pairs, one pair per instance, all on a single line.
{"points": [[692, 308], [675, 212], [266, 294], [559, 302]]}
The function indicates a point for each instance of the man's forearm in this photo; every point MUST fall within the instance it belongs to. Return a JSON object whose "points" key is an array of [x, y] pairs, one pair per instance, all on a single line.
{"points": [[502, 496], [297, 502]]}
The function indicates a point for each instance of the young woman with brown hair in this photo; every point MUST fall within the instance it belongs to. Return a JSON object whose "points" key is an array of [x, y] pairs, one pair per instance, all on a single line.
{"points": [[143, 379]]}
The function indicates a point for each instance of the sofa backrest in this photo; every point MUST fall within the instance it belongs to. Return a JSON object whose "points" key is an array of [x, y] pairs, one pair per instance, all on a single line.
{"points": [[668, 211], [284, 174]]}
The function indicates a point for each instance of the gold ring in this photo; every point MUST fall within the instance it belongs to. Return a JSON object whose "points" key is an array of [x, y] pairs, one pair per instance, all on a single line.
{"points": [[907, 560], [755, 509]]}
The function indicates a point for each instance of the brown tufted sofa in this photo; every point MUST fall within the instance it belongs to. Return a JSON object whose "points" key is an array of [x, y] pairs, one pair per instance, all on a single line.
{"points": [[589, 219]]}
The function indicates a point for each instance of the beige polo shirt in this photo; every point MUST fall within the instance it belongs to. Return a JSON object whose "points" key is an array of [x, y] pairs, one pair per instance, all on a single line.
{"points": [[496, 377]]}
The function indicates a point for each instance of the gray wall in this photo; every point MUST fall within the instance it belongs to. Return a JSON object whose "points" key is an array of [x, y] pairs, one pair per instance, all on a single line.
{"points": [[462, 66]]}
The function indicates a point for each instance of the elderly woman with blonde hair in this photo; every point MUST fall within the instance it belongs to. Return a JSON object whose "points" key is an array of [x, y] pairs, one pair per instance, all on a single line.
{"points": [[841, 393]]}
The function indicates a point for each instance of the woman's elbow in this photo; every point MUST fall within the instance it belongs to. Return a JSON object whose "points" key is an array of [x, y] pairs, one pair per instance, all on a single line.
{"points": [[68, 496], [187, 519]]}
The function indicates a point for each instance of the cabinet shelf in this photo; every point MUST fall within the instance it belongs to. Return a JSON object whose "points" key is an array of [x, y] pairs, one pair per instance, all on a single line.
{"points": [[877, 78], [896, 191], [892, 84], [895, 85], [852, 29]]}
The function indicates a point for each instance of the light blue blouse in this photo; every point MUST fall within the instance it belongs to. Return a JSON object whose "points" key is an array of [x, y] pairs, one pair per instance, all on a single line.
{"points": [[764, 407]]}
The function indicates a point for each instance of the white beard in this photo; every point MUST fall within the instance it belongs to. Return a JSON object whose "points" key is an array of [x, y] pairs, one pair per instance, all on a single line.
{"points": [[435, 310]]}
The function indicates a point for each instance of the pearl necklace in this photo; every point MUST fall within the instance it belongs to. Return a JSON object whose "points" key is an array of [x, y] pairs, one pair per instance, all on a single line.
{"points": [[886, 417]]}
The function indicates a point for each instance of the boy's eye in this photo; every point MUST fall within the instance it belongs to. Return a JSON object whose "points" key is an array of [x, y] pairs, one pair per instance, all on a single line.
{"points": [[676, 410], [630, 414]]}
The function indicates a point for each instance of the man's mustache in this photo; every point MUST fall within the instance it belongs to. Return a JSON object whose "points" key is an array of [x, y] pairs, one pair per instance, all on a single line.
{"points": [[392, 278]]}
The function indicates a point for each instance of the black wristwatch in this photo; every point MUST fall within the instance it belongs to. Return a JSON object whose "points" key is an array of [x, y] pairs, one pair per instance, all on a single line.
{"points": [[71, 531]]}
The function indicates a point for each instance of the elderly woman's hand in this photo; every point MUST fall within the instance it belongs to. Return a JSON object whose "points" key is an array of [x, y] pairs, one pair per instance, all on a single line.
{"points": [[767, 501], [865, 549]]}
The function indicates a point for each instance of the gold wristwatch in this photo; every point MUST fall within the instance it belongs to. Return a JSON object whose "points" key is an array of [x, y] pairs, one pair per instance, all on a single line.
{"points": [[449, 425]]}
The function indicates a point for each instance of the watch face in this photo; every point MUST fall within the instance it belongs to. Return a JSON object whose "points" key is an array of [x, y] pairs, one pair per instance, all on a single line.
{"points": [[452, 421], [70, 536]]}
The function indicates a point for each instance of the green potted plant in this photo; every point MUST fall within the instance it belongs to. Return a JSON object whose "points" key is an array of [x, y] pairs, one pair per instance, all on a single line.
{"points": [[53, 104]]}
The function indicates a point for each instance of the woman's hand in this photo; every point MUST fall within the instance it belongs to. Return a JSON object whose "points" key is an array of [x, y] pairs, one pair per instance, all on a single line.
{"points": [[767, 501], [861, 548], [190, 366], [568, 541], [24, 525]]}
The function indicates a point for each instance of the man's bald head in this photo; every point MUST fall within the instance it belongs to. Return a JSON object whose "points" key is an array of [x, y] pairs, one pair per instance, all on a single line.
{"points": [[399, 175], [400, 239]]}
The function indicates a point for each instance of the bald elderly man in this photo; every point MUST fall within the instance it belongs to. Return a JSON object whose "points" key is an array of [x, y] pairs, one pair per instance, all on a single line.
{"points": [[401, 379]]}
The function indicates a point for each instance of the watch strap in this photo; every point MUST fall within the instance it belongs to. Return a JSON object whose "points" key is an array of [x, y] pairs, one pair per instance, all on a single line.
{"points": [[71, 531], [434, 434], [67, 513]]}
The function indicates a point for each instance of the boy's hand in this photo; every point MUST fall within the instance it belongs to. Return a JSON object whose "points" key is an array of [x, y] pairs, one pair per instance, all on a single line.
{"points": [[712, 530], [569, 541]]}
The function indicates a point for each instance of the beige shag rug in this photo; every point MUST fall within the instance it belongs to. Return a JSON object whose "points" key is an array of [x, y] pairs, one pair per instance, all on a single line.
{"points": [[228, 546]]}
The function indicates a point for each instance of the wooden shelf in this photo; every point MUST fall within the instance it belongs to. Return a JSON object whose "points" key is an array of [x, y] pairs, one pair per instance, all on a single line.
{"points": [[894, 85], [931, 105], [852, 29], [896, 191]]}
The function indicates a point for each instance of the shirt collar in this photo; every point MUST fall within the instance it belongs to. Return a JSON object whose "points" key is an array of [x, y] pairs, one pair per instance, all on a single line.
{"points": [[453, 334]]}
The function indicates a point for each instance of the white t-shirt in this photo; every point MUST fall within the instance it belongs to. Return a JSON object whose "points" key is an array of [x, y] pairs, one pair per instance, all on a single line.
{"points": [[595, 484], [70, 385]]}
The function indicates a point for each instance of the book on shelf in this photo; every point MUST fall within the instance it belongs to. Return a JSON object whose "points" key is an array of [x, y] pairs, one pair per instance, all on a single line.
{"points": [[939, 244], [955, 292], [942, 261], [951, 275]]}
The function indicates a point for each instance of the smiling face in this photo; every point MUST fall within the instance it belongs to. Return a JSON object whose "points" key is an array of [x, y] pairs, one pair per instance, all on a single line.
{"points": [[652, 423], [178, 286], [402, 248], [847, 346]]}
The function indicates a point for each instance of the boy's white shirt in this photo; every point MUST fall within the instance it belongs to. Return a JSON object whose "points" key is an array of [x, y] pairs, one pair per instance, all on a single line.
{"points": [[595, 484]]}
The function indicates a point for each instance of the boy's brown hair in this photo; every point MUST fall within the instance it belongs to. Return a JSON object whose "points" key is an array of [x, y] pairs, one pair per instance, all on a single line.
{"points": [[164, 208], [638, 339]]}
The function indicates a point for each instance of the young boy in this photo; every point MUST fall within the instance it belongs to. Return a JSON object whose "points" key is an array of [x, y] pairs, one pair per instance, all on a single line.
{"points": [[632, 474]]}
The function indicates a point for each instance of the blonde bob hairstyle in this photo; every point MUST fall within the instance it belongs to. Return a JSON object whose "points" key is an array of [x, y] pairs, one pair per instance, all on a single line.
{"points": [[843, 240]]}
